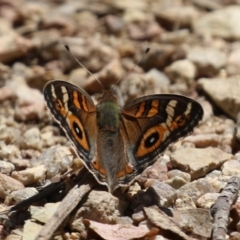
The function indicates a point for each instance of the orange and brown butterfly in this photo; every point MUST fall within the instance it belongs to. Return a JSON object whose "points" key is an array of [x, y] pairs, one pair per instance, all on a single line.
{"points": [[117, 144]]}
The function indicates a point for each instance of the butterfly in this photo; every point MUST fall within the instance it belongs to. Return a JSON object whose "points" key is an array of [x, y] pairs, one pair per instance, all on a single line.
{"points": [[117, 144]]}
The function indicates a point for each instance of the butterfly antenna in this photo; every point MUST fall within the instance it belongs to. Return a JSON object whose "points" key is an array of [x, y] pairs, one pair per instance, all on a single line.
{"points": [[144, 54], [68, 49]]}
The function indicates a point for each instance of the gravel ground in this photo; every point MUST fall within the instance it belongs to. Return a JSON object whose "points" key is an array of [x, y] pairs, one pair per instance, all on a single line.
{"points": [[194, 51]]}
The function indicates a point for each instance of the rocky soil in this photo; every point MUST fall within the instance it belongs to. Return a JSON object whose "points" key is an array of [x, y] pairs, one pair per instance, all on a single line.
{"points": [[195, 51]]}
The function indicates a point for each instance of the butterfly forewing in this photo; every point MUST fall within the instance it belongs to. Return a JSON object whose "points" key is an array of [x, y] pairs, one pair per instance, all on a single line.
{"points": [[153, 122], [72, 107]]}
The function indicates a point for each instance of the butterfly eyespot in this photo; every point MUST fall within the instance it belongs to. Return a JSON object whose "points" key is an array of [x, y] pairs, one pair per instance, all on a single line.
{"points": [[77, 130], [151, 140]]}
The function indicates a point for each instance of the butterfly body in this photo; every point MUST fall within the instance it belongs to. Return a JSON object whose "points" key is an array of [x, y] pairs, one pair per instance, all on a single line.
{"points": [[110, 145], [117, 144]]}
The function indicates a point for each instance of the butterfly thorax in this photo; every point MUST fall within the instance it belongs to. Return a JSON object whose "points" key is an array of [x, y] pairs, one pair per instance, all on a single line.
{"points": [[108, 113]]}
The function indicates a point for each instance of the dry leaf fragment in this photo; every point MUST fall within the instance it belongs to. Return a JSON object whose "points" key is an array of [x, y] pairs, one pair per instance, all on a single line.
{"points": [[120, 231], [168, 227], [197, 221]]}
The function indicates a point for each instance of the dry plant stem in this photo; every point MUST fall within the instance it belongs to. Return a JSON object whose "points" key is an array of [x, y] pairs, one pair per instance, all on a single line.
{"points": [[220, 210], [45, 192], [50, 189], [67, 205]]}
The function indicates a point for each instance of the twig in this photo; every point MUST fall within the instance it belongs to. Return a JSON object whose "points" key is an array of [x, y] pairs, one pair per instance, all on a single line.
{"points": [[220, 210], [67, 205], [47, 190]]}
